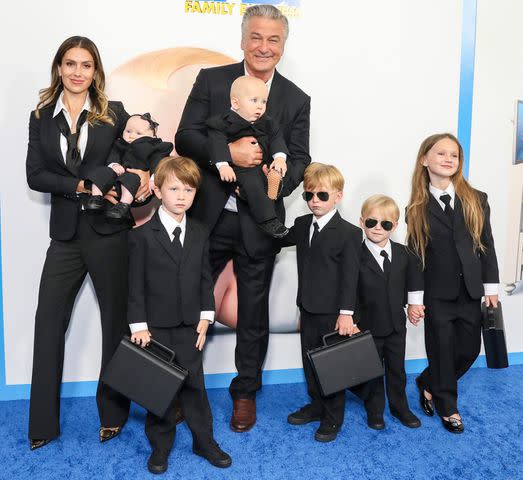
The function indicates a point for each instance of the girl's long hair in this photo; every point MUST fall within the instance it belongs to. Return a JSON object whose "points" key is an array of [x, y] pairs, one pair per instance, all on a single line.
{"points": [[100, 111], [418, 232]]}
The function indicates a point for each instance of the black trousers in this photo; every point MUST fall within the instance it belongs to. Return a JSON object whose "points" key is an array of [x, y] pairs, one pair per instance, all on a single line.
{"points": [[313, 327], [105, 258], [253, 188], [453, 342], [254, 279], [391, 350], [105, 178], [192, 397]]}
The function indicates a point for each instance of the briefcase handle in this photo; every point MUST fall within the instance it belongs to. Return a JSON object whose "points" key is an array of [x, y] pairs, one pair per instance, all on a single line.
{"points": [[342, 337], [158, 350]]}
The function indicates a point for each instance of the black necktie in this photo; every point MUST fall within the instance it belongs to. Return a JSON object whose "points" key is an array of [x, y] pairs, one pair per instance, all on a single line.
{"points": [[177, 245], [315, 233], [445, 198], [73, 158], [386, 263]]}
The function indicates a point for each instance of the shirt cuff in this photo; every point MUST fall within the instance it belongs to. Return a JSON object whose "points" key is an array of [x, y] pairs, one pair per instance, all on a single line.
{"points": [[415, 298], [221, 164], [112, 164], [207, 315], [346, 312], [491, 288], [280, 154], [137, 327]]}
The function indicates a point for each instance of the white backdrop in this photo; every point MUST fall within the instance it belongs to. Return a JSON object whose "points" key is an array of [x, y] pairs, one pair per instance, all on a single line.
{"points": [[382, 76]]}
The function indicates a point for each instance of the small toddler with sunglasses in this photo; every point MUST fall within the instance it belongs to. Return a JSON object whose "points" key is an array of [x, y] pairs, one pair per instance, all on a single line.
{"points": [[328, 249], [381, 300]]}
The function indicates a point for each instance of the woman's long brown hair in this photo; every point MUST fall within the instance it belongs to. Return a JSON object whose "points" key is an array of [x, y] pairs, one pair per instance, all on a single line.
{"points": [[418, 232], [100, 111]]}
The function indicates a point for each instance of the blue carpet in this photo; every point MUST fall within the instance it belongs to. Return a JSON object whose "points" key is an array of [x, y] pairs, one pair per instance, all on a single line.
{"points": [[490, 448]]}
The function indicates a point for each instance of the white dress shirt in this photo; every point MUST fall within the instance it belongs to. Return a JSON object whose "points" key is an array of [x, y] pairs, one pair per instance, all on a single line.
{"points": [[416, 298], [170, 224], [375, 249]]}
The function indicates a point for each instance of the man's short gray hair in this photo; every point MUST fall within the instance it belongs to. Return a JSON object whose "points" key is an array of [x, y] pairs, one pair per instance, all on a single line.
{"points": [[266, 11]]}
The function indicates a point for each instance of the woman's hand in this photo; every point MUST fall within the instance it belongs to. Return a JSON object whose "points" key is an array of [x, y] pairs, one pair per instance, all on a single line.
{"points": [[202, 327], [491, 300]]}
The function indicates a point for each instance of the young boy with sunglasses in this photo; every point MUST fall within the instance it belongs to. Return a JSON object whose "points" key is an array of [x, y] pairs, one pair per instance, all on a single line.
{"points": [[328, 250], [382, 295]]}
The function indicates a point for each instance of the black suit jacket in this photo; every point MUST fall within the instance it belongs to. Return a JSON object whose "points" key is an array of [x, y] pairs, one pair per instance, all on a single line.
{"points": [[47, 172], [450, 255], [210, 96], [161, 287], [381, 304], [327, 271]]}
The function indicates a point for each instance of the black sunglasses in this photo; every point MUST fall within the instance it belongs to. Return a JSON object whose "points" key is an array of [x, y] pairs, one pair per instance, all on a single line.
{"points": [[385, 224], [322, 196]]}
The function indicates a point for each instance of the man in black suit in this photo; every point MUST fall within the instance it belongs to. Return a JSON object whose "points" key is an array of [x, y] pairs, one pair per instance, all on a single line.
{"points": [[171, 299], [235, 234], [328, 249], [382, 296]]}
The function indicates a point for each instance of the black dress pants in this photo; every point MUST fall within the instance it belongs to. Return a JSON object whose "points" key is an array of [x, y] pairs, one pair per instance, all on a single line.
{"points": [[313, 327], [105, 258], [192, 397], [105, 178], [253, 188], [253, 279], [453, 342]]}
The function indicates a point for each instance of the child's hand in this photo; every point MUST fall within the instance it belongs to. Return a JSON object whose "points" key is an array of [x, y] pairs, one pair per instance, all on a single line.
{"points": [[280, 165], [415, 313], [142, 338], [227, 173], [345, 325], [491, 300], [202, 327], [118, 169]]}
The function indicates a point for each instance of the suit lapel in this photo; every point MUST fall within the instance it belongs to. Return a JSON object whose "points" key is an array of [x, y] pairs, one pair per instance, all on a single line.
{"points": [[437, 211], [162, 236], [91, 137], [324, 232], [459, 218], [395, 265], [275, 95], [370, 262], [188, 241]]}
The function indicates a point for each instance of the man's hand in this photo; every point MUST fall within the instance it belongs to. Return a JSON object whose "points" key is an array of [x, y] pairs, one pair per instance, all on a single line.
{"points": [[491, 300], [142, 338], [345, 325], [280, 165], [80, 188], [202, 327], [415, 313], [227, 173], [245, 152], [118, 169], [144, 190]]}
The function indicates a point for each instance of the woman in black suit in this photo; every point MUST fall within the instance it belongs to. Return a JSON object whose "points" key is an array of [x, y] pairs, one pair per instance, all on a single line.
{"points": [[71, 132]]}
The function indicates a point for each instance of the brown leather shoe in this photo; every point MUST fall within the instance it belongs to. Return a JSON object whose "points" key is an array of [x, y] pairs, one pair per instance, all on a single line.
{"points": [[178, 415], [243, 415]]}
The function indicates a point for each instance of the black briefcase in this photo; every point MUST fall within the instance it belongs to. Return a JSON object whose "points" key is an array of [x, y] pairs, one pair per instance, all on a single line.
{"points": [[345, 363], [494, 336], [148, 376]]}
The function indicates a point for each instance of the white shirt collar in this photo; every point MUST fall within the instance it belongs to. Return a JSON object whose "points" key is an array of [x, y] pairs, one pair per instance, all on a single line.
{"points": [[322, 221], [169, 222], [436, 192], [268, 82], [375, 249], [60, 105]]}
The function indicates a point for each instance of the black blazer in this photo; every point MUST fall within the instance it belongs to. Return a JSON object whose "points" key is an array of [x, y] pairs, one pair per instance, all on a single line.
{"points": [[450, 255], [210, 96], [381, 304], [327, 271], [47, 172], [161, 287]]}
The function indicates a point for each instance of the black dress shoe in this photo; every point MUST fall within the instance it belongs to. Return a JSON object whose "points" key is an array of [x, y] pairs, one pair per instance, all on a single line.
{"points": [[375, 421], [327, 432], [95, 203], [303, 416], [108, 433], [274, 228], [407, 418], [119, 212], [214, 455], [157, 462], [426, 405], [38, 443], [453, 425]]}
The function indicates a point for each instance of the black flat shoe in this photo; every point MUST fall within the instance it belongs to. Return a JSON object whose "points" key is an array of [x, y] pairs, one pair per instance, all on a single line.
{"points": [[375, 421], [108, 433], [407, 418], [157, 462], [426, 405], [453, 425], [38, 443], [214, 455], [119, 212], [274, 228], [303, 416], [95, 203], [326, 432]]}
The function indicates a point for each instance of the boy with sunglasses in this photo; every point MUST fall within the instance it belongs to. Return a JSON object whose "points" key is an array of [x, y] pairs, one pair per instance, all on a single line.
{"points": [[382, 295], [328, 250]]}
